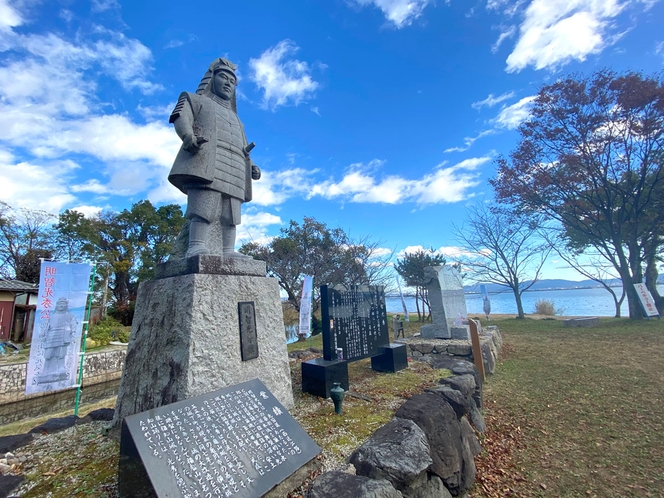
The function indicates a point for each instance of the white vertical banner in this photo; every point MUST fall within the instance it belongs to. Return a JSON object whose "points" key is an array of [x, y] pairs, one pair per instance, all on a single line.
{"points": [[56, 339], [647, 301], [403, 302], [305, 306], [486, 303]]}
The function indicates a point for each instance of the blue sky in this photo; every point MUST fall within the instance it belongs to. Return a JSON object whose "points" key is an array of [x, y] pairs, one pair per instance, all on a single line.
{"points": [[383, 117]]}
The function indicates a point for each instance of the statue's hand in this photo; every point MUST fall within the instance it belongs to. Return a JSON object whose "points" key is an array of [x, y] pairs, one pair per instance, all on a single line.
{"points": [[255, 172], [190, 143]]}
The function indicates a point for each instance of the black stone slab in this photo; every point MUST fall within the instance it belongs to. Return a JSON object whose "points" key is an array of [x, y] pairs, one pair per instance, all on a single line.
{"points": [[392, 358], [319, 376], [354, 321], [248, 335], [238, 441]]}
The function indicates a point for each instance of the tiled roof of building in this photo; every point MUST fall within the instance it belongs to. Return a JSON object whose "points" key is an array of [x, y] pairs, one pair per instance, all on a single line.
{"points": [[17, 286]]}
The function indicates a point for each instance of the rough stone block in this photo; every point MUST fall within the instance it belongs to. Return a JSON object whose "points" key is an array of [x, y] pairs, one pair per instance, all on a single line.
{"points": [[452, 459], [398, 452], [337, 484], [460, 348], [185, 341]]}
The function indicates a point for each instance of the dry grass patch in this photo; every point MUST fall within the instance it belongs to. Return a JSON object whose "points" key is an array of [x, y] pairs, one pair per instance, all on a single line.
{"points": [[575, 411]]}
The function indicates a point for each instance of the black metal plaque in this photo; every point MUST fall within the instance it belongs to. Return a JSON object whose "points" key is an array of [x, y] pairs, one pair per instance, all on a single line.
{"points": [[238, 441], [248, 336], [354, 321]]}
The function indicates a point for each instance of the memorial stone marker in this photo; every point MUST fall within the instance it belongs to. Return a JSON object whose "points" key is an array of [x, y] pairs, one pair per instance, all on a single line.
{"points": [[448, 304], [354, 327], [238, 441], [354, 321]]}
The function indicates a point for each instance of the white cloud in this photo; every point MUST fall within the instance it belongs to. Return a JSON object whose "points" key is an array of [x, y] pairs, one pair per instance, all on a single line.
{"points": [[49, 110], [512, 116], [36, 186], [492, 100], [399, 12], [88, 211], [282, 79], [555, 32], [469, 141], [254, 227], [505, 33], [102, 5], [444, 185], [275, 187], [91, 185], [315, 110], [9, 17]]}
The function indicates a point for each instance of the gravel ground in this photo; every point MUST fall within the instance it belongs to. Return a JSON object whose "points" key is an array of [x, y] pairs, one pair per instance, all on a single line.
{"points": [[79, 461]]}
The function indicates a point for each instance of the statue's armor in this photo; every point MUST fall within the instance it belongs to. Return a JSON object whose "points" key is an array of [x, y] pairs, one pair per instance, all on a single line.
{"points": [[61, 326], [221, 164], [230, 167]]}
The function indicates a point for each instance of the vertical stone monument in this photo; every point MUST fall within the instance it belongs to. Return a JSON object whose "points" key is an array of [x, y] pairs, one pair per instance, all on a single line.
{"points": [[448, 304], [210, 319], [354, 327]]}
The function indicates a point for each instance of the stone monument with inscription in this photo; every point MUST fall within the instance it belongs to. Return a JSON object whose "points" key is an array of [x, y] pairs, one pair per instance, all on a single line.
{"points": [[210, 318], [354, 327], [448, 304], [238, 441]]}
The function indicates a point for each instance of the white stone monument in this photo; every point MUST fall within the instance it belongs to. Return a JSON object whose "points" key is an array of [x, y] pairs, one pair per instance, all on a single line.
{"points": [[448, 304]]}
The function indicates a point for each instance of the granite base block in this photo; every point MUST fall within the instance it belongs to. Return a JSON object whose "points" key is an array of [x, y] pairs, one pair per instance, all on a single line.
{"points": [[435, 331], [211, 265], [461, 332], [185, 341], [319, 376], [392, 358]]}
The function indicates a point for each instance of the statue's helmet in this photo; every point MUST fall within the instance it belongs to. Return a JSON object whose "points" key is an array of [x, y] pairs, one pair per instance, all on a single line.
{"points": [[219, 64], [61, 303]]}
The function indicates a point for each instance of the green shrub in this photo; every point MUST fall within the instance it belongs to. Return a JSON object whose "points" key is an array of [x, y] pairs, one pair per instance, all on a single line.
{"points": [[106, 330], [547, 307], [123, 335]]}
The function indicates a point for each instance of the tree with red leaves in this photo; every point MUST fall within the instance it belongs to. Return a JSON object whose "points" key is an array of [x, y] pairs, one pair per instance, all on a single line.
{"points": [[590, 157]]}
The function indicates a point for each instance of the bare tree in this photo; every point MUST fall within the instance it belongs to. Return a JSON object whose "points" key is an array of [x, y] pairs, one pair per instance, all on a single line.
{"points": [[25, 237], [503, 248]]}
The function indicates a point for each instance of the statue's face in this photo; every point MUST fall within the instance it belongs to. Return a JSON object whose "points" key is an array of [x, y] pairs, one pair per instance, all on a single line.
{"points": [[61, 306], [224, 85]]}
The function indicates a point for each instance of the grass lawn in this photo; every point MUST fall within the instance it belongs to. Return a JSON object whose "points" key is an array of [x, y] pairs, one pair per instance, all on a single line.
{"points": [[575, 411]]}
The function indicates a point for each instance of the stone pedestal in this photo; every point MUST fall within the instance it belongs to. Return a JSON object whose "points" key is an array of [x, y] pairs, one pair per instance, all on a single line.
{"points": [[392, 358], [185, 338], [435, 331], [319, 376]]}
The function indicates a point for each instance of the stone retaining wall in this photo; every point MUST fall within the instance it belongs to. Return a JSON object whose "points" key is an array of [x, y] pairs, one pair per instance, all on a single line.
{"points": [[431, 350], [101, 378]]}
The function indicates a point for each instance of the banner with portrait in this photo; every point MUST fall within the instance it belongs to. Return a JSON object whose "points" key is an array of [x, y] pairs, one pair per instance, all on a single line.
{"points": [[56, 338]]}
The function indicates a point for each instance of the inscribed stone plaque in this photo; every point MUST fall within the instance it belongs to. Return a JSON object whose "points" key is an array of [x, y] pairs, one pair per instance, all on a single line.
{"points": [[354, 321], [238, 441], [248, 335]]}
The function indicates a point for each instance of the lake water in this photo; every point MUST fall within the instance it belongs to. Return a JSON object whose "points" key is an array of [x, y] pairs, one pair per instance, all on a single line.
{"points": [[572, 302]]}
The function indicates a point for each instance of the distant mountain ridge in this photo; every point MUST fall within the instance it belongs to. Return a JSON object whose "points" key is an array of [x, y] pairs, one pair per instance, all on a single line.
{"points": [[550, 284]]}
